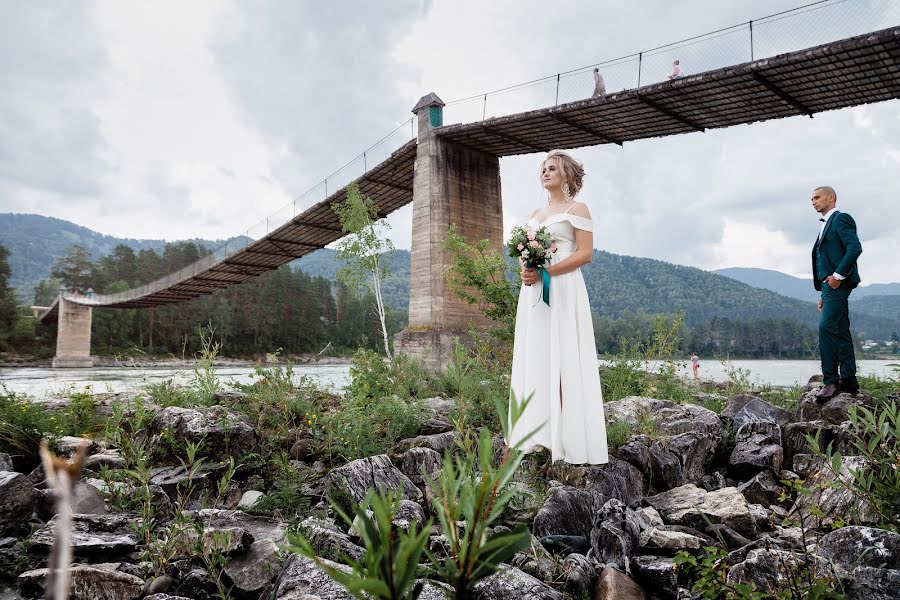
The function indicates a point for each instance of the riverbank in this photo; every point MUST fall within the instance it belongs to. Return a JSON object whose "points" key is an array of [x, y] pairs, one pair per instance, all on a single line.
{"points": [[8, 361], [198, 490]]}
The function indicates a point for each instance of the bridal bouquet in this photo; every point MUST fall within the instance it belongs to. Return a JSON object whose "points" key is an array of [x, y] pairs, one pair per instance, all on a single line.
{"points": [[534, 247]]}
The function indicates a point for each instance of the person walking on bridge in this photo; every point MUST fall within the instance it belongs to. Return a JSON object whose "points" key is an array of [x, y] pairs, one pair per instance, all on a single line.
{"points": [[835, 274], [599, 85]]}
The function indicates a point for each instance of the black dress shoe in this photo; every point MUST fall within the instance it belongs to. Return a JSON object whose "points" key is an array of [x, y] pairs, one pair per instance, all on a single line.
{"points": [[850, 386], [828, 392]]}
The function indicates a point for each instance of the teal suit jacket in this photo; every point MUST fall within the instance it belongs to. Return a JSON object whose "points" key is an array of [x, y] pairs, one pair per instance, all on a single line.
{"points": [[836, 251]]}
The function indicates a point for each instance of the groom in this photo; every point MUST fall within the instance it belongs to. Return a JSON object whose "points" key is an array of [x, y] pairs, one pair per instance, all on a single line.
{"points": [[835, 274]]}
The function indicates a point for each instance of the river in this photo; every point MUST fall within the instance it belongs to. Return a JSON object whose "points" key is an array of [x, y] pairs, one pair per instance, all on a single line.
{"points": [[46, 382]]}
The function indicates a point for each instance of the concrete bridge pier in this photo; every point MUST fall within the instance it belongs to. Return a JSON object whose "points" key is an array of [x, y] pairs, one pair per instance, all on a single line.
{"points": [[73, 337], [453, 185]]}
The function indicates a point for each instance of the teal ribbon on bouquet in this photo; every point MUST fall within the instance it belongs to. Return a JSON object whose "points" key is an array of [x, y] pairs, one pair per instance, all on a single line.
{"points": [[545, 284]]}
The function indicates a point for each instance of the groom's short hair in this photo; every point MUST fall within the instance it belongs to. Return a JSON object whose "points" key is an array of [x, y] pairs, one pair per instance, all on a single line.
{"points": [[828, 190]]}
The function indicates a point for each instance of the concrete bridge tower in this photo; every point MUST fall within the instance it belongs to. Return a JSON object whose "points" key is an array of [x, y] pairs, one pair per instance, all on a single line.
{"points": [[73, 338], [454, 185]]}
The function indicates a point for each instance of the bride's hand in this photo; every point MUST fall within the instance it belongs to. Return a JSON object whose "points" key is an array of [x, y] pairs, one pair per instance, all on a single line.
{"points": [[529, 276]]}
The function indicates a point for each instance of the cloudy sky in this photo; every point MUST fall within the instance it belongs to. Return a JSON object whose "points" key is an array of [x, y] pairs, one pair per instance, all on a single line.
{"points": [[198, 119]]}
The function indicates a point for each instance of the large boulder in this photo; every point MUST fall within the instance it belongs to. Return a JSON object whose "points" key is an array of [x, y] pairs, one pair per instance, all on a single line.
{"points": [[567, 511], [509, 583], [768, 570], [693, 434], [831, 500], [855, 546], [419, 464], [757, 447], [255, 569], [616, 585], [795, 438], [755, 410], [871, 583], [329, 541], [693, 506], [439, 442], [581, 576], [616, 479], [670, 539], [762, 489], [834, 411], [88, 582], [92, 536], [614, 538], [17, 498], [657, 573], [301, 579], [220, 432], [260, 528], [355, 479]]}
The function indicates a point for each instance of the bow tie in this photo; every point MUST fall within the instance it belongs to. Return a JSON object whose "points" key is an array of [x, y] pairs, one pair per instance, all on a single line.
{"points": [[823, 220]]}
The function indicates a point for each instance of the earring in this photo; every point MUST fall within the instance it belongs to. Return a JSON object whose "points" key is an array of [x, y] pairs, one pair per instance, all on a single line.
{"points": [[566, 191]]}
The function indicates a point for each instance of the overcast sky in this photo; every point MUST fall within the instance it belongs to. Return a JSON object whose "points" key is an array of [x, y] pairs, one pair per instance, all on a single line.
{"points": [[198, 119]]}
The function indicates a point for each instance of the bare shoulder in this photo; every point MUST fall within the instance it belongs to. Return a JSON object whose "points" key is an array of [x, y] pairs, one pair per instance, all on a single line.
{"points": [[581, 210]]}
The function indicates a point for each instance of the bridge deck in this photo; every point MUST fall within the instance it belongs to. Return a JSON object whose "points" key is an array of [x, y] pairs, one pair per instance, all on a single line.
{"points": [[840, 74], [837, 75]]}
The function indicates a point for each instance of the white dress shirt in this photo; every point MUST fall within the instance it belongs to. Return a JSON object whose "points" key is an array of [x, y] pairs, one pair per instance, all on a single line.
{"points": [[825, 218]]}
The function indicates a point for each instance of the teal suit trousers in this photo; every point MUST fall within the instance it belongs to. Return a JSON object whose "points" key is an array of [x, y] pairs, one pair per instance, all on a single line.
{"points": [[835, 341]]}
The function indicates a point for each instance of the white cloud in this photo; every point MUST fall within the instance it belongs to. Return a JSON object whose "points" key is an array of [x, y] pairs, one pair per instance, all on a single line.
{"points": [[181, 120]]}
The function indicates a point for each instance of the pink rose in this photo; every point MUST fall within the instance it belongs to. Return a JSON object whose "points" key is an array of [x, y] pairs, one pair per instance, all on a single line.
{"points": [[534, 244], [531, 234], [520, 247]]}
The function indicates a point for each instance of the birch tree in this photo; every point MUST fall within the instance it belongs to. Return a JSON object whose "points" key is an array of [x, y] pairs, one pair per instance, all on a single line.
{"points": [[366, 251]]}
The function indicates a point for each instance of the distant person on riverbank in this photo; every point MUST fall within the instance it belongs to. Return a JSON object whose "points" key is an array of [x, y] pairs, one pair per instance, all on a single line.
{"points": [[695, 364], [834, 265], [599, 85], [676, 73]]}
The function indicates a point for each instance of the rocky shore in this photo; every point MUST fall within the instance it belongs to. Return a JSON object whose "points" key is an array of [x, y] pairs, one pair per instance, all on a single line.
{"points": [[684, 479]]}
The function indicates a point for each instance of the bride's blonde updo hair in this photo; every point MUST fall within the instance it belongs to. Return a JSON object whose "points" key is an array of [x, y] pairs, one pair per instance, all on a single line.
{"points": [[572, 170]]}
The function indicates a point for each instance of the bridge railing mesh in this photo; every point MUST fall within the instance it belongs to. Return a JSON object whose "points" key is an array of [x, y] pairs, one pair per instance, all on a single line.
{"points": [[372, 156], [802, 27]]}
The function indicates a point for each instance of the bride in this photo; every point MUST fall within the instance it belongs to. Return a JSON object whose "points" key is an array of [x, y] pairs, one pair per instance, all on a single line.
{"points": [[554, 355]]}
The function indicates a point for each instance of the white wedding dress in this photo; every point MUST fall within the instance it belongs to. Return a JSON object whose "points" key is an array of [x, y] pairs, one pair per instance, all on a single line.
{"points": [[555, 345]]}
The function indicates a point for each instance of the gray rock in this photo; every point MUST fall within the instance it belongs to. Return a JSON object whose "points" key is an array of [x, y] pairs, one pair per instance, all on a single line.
{"points": [[67, 445], [692, 506], [758, 410], [108, 458], [665, 541], [567, 511], [436, 424], [691, 433], [227, 539], [439, 405], [249, 499], [439, 442], [794, 438], [757, 447], [726, 536], [419, 464], [834, 501], [410, 512], [713, 481], [854, 546], [87, 500], [616, 479], [656, 573], [766, 569], [614, 538], [616, 585], [564, 545], [256, 568], [834, 411], [17, 498], [159, 585], [92, 535], [301, 578], [760, 516], [329, 541], [88, 582], [510, 583], [649, 517], [762, 489], [261, 528], [220, 431], [6, 463], [660, 466], [171, 478], [165, 597], [870, 583], [356, 478], [735, 403], [581, 577]]}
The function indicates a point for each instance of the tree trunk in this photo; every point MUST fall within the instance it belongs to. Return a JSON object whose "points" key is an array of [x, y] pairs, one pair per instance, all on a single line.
{"points": [[379, 302]]}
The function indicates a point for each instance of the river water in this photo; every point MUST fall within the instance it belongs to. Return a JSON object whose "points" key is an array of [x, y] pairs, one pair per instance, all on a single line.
{"points": [[45, 382]]}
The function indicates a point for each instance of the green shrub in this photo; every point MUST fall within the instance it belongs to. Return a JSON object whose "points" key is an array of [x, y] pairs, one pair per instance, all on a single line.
{"points": [[617, 434]]}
